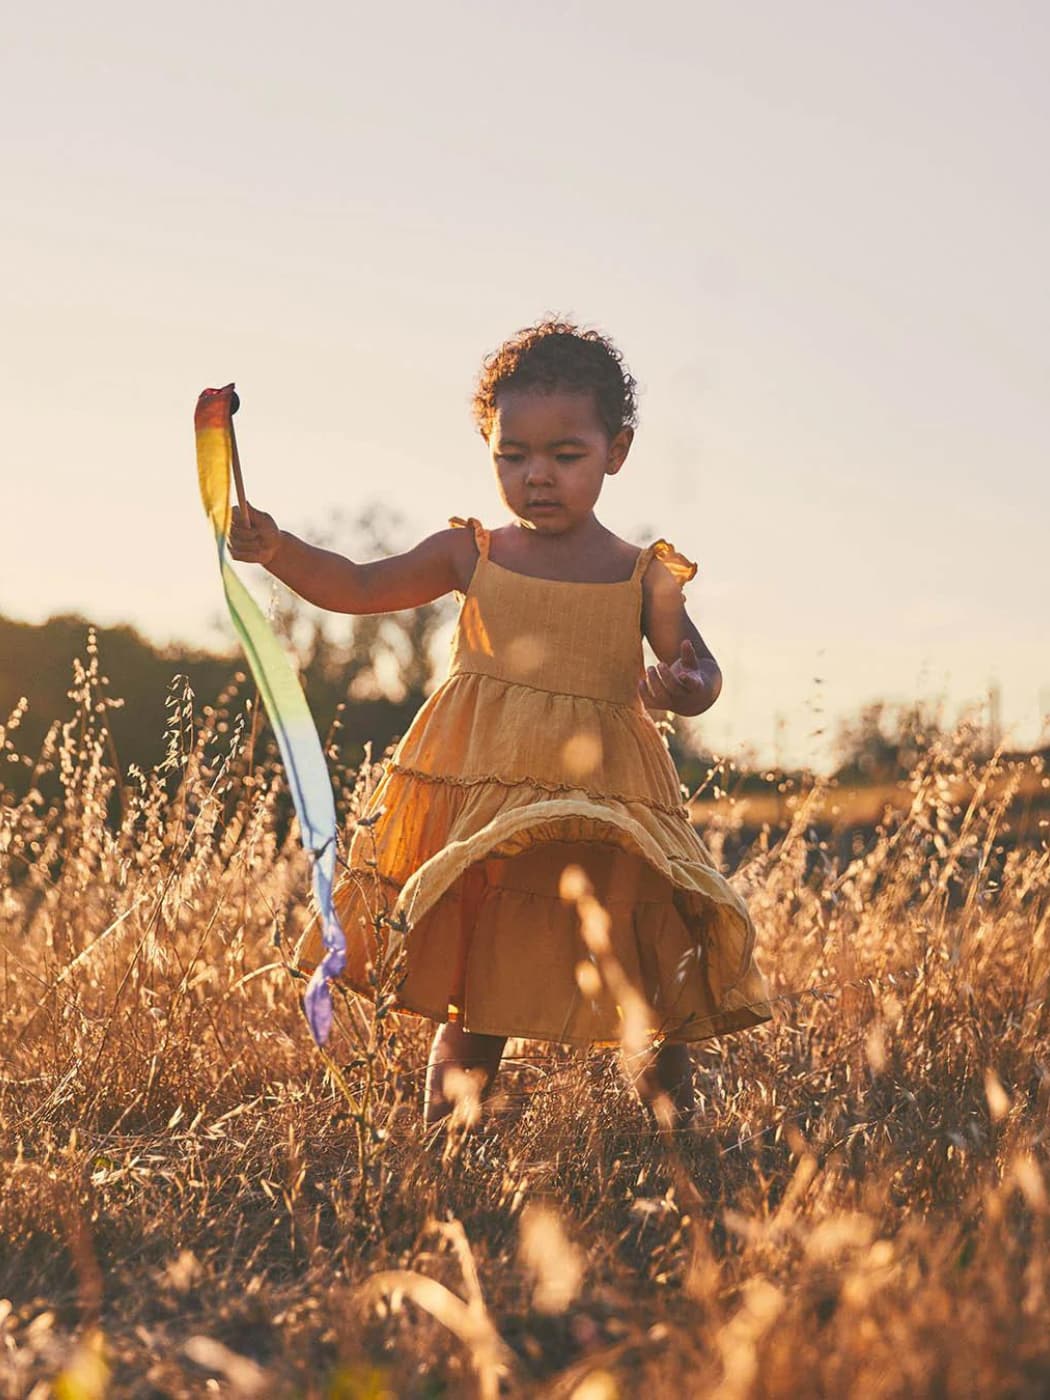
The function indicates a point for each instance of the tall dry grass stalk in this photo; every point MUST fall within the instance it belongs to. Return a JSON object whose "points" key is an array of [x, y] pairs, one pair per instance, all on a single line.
{"points": [[190, 1192]]}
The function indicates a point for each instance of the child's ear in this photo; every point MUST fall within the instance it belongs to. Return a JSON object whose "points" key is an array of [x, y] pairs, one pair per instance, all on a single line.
{"points": [[618, 450]]}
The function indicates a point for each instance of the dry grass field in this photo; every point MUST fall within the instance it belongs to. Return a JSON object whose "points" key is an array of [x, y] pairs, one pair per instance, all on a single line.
{"points": [[844, 809], [195, 1201]]}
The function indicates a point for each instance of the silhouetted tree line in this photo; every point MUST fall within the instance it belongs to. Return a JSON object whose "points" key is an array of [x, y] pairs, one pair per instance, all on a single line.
{"points": [[383, 666], [36, 664]]}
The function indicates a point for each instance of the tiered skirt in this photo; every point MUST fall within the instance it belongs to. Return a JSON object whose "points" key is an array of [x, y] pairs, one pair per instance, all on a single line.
{"points": [[459, 862]]}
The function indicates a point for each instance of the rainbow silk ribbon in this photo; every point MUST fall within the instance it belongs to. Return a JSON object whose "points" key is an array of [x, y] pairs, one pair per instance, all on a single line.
{"points": [[283, 697]]}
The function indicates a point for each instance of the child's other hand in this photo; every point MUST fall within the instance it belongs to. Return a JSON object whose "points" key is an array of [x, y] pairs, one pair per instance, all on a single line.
{"points": [[676, 687], [256, 543]]}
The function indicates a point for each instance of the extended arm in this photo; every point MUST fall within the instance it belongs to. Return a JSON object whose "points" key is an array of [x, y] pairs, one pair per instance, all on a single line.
{"points": [[687, 678], [437, 565]]}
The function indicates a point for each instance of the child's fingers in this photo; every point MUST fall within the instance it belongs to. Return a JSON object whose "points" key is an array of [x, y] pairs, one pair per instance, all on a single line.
{"points": [[688, 681], [655, 691], [645, 688], [253, 520], [245, 543], [678, 683]]}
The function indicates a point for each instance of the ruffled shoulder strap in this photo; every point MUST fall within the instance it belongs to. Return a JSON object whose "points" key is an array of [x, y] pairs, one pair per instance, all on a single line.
{"points": [[481, 535], [681, 568]]}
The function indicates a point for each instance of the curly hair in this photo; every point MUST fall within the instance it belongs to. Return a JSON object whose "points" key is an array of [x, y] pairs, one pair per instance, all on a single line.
{"points": [[557, 354]]}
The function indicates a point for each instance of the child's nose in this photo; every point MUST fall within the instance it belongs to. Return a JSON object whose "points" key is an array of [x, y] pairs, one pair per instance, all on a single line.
{"points": [[537, 471]]}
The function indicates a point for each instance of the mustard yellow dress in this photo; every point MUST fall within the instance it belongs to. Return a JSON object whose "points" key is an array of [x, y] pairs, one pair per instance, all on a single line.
{"points": [[536, 753]]}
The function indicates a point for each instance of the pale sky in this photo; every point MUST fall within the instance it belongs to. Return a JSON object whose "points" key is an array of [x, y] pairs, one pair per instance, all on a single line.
{"points": [[818, 232]]}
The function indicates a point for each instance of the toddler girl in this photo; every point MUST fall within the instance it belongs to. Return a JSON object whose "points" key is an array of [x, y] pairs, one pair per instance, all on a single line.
{"points": [[538, 751]]}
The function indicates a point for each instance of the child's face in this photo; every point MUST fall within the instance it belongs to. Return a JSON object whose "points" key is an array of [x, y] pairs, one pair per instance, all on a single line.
{"points": [[552, 455]]}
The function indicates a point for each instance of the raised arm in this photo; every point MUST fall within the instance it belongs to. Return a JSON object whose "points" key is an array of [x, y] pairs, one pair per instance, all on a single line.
{"points": [[437, 565], [687, 678]]}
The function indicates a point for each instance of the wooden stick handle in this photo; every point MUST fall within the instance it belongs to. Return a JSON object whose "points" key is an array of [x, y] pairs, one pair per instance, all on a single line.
{"points": [[238, 480]]}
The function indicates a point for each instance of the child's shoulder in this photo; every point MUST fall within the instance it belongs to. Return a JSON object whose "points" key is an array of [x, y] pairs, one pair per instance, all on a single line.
{"points": [[466, 539]]}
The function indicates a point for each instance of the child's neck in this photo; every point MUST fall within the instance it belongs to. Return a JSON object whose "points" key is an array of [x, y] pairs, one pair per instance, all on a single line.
{"points": [[584, 553]]}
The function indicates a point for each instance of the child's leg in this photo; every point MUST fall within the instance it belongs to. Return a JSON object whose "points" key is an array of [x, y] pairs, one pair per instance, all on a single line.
{"points": [[671, 1073], [674, 1073], [460, 1051], [455, 1050]]}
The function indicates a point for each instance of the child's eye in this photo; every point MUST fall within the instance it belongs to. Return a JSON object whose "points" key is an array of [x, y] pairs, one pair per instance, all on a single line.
{"points": [[509, 456], [569, 456]]}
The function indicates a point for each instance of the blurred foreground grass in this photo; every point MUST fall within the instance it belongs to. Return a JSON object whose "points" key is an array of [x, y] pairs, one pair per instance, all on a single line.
{"points": [[192, 1202]]}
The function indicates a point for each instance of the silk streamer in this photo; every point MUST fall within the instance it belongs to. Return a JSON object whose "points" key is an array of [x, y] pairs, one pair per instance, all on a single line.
{"points": [[283, 697]]}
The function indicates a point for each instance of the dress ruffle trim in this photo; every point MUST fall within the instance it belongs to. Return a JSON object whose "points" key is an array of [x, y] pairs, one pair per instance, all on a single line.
{"points": [[480, 727], [561, 789], [681, 568], [471, 522], [518, 828]]}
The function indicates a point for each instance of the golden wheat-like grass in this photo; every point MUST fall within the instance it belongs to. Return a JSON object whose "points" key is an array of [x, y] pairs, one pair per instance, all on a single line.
{"points": [[192, 1195]]}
